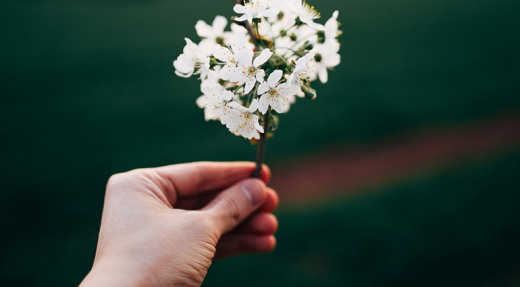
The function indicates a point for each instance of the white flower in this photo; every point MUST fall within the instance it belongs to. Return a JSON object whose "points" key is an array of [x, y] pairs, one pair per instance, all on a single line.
{"points": [[332, 31], [192, 61], [254, 9], [278, 96], [228, 57], [307, 14], [238, 34], [248, 70], [326, 57], [326, 54], [215, 102], [303, 70], [211, 35], [244, 121]]}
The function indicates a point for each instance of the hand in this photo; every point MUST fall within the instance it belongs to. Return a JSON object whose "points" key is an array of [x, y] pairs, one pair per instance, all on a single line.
{"points": [[164, 226]]}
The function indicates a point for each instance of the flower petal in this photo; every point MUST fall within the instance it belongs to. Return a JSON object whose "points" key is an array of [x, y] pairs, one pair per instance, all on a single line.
{"points": [[259, 128], [263, 88], [260, 75], [274, 78], [287, 89], [253, 106], [323, 75], [227, 95], [240, 9], [249, 86], [263, 104], [203, 29], [242, 18], [222, 54], [262, 58], [245, 57], [333, 60], [219, 24], [269, 13]]}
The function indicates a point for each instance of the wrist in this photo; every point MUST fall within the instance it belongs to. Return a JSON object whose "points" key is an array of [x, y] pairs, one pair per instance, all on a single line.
{"points": [[116, 274]]}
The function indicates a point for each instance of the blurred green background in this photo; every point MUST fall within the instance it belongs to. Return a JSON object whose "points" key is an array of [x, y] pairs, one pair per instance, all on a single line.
{"points": [[88, 91]]}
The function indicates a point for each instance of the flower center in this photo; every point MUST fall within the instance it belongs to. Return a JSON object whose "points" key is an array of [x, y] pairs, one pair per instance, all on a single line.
{"points": [[256, 4], [273, 92], [310, 11]]}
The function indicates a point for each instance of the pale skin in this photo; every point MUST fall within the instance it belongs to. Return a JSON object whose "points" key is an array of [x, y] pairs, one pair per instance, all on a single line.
{"points": [[165, 226]]}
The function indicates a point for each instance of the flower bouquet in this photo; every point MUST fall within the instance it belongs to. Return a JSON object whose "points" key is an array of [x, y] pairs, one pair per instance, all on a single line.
{"points": [[253, 72]]}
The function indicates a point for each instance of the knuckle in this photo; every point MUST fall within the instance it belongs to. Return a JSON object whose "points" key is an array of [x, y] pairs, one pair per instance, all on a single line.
{"points": [[115, 180], [123, 181], [231, 211]]}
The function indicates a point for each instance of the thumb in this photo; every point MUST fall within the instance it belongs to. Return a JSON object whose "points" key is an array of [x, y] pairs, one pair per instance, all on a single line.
{"points": [[236, 203]]}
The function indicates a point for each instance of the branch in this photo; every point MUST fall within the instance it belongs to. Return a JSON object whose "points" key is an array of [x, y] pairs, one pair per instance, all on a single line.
{"points": [[247, 25], [260, 149]]}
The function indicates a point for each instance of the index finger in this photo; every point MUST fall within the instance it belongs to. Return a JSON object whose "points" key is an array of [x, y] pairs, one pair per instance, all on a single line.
{"points": [[190, 179]]}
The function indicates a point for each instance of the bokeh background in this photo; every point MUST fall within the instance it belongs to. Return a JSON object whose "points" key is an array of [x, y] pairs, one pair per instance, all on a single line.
{"points": [[88, 90]]}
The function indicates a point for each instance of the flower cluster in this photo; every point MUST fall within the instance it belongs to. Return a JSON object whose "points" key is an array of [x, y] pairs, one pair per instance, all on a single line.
{"points": [[255, 70]]}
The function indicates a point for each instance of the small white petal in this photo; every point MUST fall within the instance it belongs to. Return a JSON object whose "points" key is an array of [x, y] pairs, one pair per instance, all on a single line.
{"points": [[260, 75], [240, 9], [227, 95], [262, 58], [236, 74], [219, 24], [287, 90], [274, 78], [183, 75], [270, 13], [263, 104], [333, 60], [263, 88], [222, 54], [242, 18], [203, 29], [278, 106], [323, 75], [253, 106], [259, 127], [249, 86], [245, 57], [184, 67], [201, 102], [227, 72]]}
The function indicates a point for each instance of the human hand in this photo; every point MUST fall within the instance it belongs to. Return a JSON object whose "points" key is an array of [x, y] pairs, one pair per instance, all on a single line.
{"points": [[164, 226]]}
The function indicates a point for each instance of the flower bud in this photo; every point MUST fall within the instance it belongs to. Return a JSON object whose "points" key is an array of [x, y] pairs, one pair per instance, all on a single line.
{"points": [[310, 93]]}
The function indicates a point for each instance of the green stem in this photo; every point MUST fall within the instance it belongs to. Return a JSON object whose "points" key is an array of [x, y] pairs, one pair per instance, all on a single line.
{"points": [[260, 149]]}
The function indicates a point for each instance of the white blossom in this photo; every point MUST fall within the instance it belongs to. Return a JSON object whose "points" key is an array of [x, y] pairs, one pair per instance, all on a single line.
{"points": [[192, 61], [211, 34], [274, 94], [254, 9], [306, 13], [248, 69], [303, 70], [244, 121], [228, 57], [215, 102], [326, 57], [332, 31]]}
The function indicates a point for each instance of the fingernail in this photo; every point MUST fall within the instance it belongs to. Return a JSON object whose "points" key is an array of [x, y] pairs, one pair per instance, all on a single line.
{"points": [[254, 191]]}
